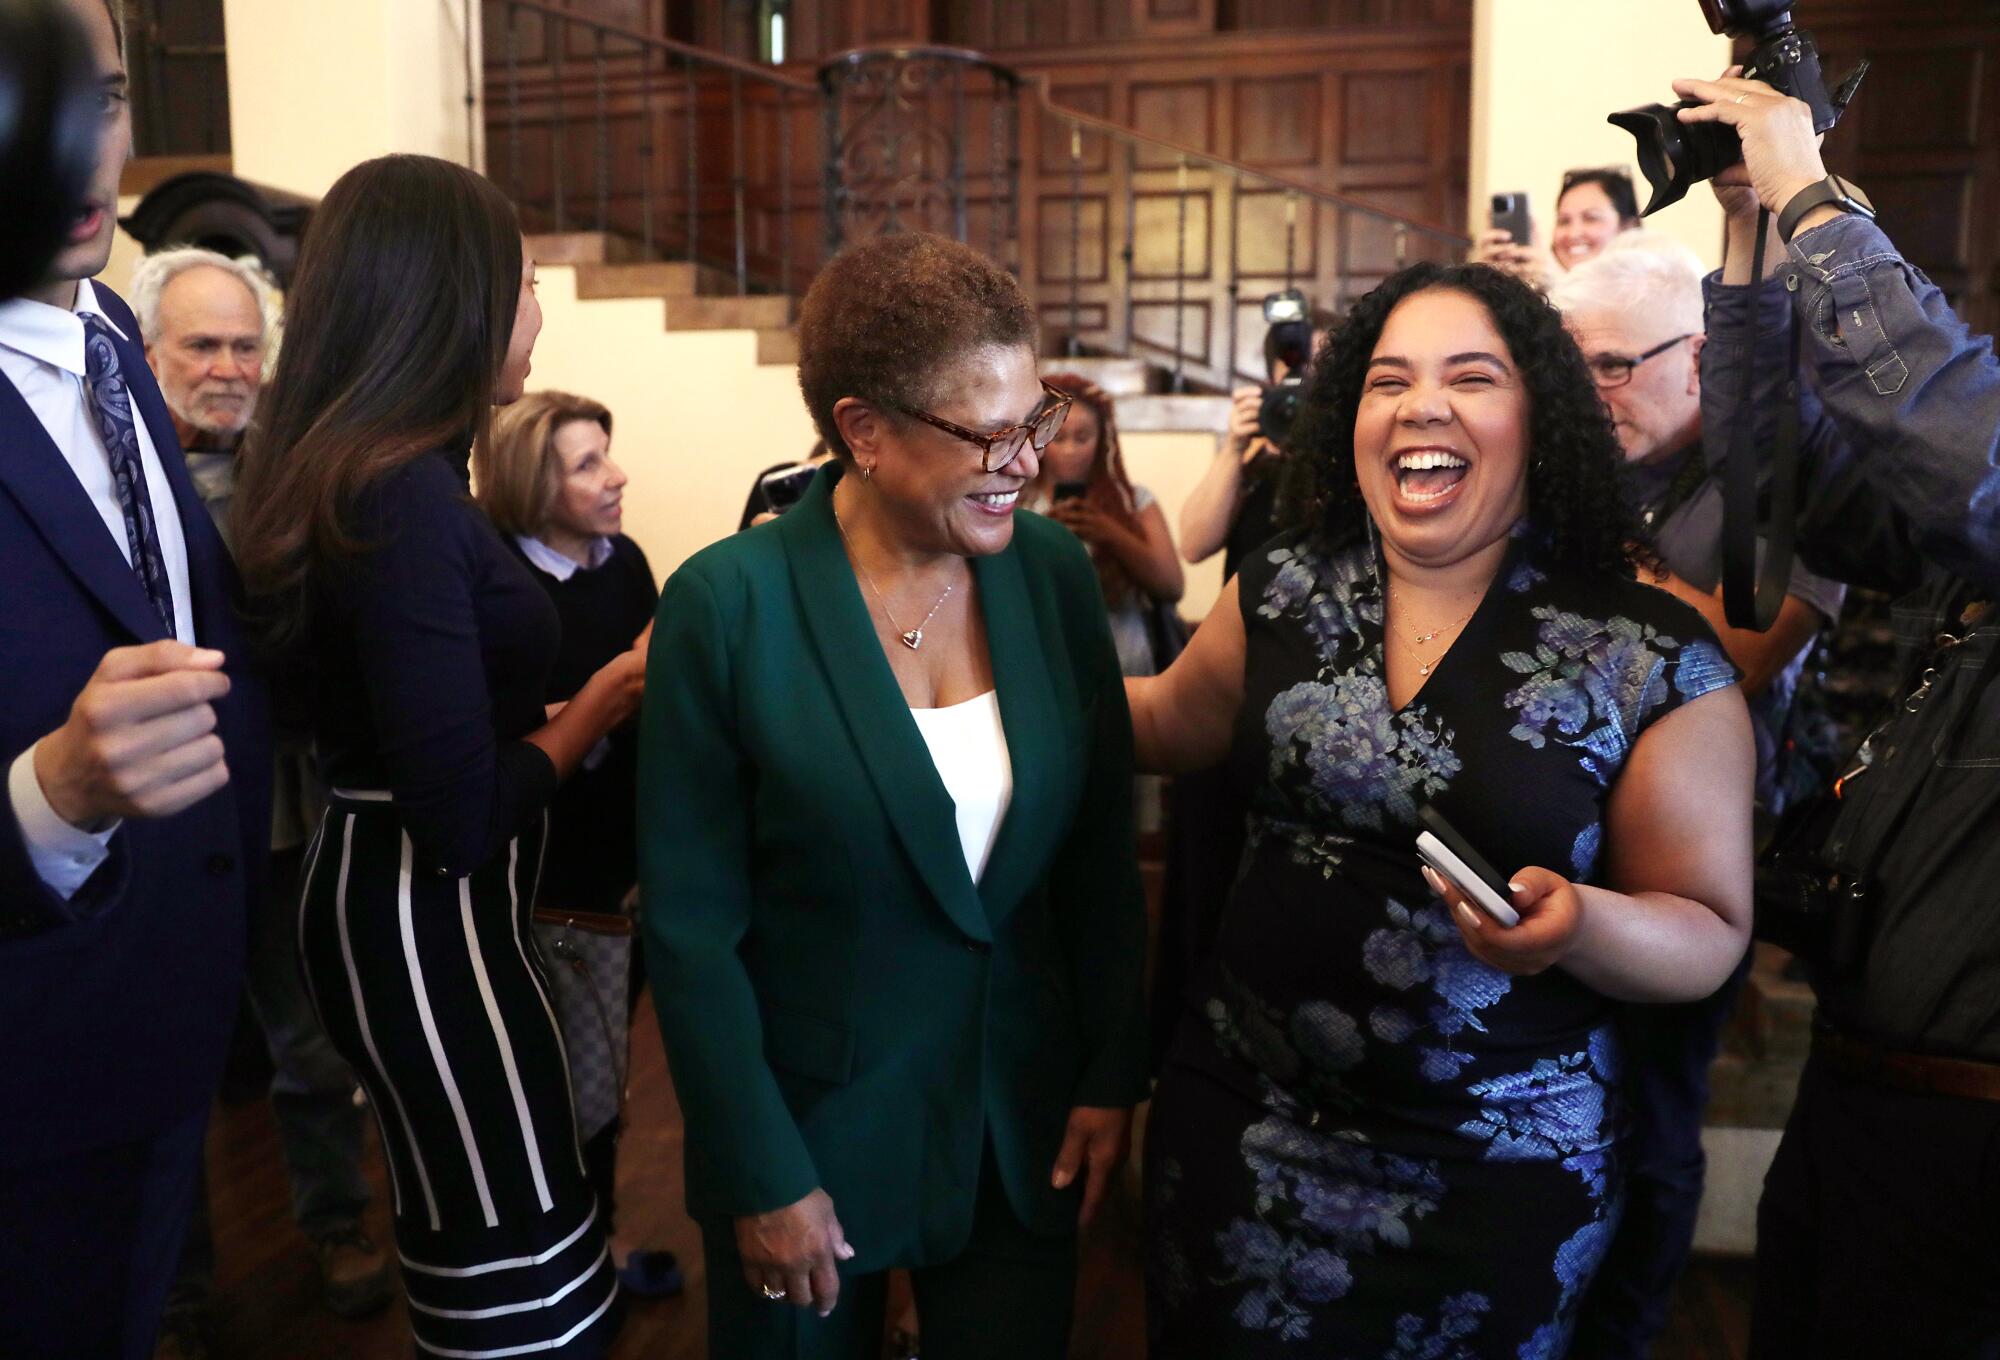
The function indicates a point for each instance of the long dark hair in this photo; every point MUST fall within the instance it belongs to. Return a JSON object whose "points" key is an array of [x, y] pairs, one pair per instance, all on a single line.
{"points": [[401, 313], [1577, 497], [1110, 490]]}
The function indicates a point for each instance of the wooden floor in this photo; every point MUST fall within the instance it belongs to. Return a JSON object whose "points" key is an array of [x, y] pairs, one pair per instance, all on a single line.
{"points": [[266, 1291]]}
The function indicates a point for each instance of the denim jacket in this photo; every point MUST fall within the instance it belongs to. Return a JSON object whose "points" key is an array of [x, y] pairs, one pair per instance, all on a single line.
{"points": [[1900, 457]]}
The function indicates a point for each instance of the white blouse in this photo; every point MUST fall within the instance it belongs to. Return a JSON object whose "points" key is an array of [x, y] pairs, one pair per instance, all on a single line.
{"points": [[969, 748]]}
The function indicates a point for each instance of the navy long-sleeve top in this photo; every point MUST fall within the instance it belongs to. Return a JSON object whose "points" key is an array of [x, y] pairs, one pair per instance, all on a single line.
{"points": [[431, 651]]}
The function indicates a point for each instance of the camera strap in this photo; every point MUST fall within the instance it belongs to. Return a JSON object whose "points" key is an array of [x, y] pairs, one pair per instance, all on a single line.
{"points": [[1754, 592]]}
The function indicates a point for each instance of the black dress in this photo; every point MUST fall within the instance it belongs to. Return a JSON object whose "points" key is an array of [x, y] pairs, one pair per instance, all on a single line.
{"points": [[1366, 1143], [429, 651]]}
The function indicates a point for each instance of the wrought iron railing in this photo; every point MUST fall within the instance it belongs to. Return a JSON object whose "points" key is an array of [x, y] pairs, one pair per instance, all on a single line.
{"points": [[906, 128], [708, 139]]}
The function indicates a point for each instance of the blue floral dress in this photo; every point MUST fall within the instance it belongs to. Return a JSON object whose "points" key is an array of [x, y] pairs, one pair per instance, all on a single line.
{"points": [[1366, 1143]]}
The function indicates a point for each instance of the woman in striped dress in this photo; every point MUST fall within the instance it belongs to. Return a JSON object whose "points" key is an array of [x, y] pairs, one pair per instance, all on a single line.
{"points": [[427, 646]]}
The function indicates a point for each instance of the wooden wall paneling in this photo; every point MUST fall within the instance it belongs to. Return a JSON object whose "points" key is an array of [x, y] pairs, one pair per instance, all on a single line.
{"points": [[1054, 144], [1180, 111], [1157, 249], [1172, 18], [1091, 318], [1276, 121], [1386, 120], [1153, 329], [889, 21]]}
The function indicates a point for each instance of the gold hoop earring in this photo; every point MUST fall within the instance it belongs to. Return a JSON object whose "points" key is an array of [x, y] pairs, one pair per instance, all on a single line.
{"points": [[867, 471]]}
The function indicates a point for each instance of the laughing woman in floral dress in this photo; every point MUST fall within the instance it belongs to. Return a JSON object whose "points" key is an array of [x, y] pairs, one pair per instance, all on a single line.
{"points": [[1390, 1129]]}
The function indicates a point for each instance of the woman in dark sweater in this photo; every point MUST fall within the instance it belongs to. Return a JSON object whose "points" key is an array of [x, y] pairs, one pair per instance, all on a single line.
{"points": [[428, 647], [549, 484]]}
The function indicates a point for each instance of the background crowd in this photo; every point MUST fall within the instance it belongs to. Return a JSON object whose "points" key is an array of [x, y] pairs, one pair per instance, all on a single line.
{"points": [[333, 682]]}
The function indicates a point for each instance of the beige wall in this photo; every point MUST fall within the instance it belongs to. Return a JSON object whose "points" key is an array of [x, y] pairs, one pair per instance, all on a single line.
{"points": [[1544, 75], [316, 86]]}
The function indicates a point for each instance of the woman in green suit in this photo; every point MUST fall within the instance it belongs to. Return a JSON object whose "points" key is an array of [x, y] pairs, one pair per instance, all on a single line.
{"points": [[893, 917]]}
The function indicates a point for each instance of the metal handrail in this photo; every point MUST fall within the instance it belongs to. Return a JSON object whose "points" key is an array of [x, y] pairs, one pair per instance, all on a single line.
{"points": [[686, 51], [1118, 132]]}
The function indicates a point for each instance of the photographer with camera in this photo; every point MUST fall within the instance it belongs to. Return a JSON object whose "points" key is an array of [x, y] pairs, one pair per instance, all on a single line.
{"points": [[1875, 1232], [1231, 509]]}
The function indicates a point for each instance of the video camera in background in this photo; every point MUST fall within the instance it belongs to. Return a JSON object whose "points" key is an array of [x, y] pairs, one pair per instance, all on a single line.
{"points": [[1290, 342], [1675, 157], [49, 131]]}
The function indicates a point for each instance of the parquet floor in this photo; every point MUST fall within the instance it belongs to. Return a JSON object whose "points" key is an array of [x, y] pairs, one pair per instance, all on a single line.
{"points": [[266, 1291]]}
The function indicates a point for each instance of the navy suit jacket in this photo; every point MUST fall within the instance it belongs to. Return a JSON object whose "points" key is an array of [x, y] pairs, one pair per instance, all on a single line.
{"points": [[115, 1015]]}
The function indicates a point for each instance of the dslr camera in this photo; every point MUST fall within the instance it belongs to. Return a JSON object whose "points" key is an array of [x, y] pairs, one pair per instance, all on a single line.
{"points": [[1288, 341], [1675, 157]]}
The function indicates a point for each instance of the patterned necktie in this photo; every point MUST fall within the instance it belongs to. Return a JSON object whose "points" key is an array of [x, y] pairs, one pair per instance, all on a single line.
{"points": [[111, 405]]}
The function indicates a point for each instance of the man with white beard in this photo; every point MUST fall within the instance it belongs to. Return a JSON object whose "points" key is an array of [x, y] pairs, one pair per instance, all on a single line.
{"points": [[206, 321]]}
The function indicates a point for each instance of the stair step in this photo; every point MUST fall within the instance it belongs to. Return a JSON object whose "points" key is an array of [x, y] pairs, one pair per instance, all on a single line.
{"points": [[778, 346], [1118, 377], [769, 313], [584, 247], [651, 279], [1774, 1014], [1751, 1093], [1160, 412]]}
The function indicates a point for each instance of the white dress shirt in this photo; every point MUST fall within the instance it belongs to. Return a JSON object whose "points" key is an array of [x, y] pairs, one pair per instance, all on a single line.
{"points": [[42, 355]]}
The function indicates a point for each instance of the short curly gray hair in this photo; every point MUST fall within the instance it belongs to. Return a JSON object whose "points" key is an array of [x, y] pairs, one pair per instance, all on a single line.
{"points": [[152, 274]]}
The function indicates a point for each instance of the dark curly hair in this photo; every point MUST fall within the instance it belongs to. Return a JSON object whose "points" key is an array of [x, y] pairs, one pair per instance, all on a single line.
{"points": [[1577, 494], [887, 318]]}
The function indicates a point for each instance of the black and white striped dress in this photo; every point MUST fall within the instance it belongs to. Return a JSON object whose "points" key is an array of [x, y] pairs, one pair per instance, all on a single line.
{"points": [[429, 652]]}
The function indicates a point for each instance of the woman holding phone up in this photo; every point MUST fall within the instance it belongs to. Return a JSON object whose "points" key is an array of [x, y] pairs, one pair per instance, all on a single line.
{"points": [[1083, 487], [1387, 1125]]}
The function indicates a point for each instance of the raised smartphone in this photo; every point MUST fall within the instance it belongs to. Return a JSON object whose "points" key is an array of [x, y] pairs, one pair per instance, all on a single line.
{"points": [[1510, 214]]}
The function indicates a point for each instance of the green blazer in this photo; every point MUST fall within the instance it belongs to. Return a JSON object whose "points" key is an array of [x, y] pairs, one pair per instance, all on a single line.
{"points": [[843, 1007]]}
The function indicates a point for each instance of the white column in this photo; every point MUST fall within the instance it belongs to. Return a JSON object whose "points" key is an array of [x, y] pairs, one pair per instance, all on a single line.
{"points": [[316, 86], [1544, 75]]}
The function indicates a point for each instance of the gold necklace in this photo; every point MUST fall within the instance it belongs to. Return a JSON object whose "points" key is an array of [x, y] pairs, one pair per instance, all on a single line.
{"points": [[912, 638], [1424, 639]]}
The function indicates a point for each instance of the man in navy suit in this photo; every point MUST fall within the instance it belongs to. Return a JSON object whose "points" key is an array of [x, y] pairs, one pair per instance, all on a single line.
{"points": [[135, 750]]}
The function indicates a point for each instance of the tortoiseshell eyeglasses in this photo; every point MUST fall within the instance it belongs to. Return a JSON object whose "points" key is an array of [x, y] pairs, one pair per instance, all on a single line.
{"points": [[999, 449]]}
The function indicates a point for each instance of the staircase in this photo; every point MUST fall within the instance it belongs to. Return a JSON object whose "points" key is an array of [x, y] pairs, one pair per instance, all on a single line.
{"points": [[695, 296]]}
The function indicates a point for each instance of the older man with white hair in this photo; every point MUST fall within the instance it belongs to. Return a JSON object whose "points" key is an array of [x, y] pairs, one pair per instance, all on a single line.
{"points": [[1636, 311], [207, 322]]}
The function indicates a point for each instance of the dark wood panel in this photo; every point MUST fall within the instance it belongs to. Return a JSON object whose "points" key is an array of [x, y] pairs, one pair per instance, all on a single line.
{"points": [[1057, 145], [1173, 18], [1923, 98], [1088, 226], [1277, 121], [1181, 111], [1384, 118]]}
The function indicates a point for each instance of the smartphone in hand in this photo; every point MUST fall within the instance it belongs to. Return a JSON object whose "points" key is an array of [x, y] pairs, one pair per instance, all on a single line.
{"points": [[1070, 491], [1510, 214], [1453, 858]]}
